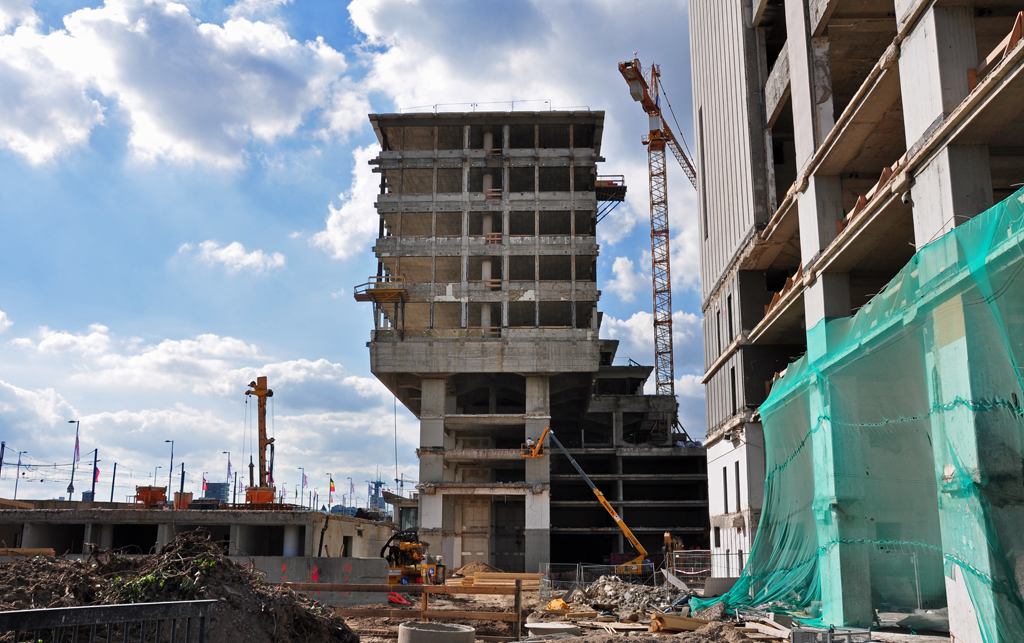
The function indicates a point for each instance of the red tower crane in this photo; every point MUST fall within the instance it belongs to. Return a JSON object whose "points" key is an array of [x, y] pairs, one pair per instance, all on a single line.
{"points": [[647, 93]]}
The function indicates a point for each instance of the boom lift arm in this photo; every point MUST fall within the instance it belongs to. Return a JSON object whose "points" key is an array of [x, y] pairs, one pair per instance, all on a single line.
{"points": [[634, 566]]}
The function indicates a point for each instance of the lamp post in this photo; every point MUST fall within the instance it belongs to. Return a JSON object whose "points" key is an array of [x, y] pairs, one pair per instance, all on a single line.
{"points": [[71, 485], [170, 472], [17, 474], [302, 486], [227, 480], [154, 475]]}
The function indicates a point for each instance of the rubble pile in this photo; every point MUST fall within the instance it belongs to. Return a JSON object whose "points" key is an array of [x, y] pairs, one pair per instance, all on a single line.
{"points": [[613, 591], [190, 567]]}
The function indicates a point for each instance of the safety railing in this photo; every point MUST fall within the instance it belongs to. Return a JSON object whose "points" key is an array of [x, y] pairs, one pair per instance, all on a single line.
{"points": [[158, 622], [693, 567], [381, 288], [492, 239]]}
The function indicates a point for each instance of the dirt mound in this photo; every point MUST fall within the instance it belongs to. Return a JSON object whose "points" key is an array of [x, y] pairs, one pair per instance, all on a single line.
{"points": [[188, 568], [472, 568]]}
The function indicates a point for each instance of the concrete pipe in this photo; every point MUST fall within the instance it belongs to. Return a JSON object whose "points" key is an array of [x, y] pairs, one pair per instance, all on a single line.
{"points": [[418, 632]]}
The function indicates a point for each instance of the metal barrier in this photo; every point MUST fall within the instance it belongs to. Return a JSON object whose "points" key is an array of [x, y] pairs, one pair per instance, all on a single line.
{"points": [[693, 566], [136, 622], [557, 578]]}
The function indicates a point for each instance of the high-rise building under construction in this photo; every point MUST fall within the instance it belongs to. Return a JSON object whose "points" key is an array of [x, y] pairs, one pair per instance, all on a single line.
{"points": [[834, 139], [486, 328]]}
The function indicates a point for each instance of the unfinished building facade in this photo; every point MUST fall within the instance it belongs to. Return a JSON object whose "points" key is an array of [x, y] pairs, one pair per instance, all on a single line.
{"points": [[852, 134], [486, 328]]}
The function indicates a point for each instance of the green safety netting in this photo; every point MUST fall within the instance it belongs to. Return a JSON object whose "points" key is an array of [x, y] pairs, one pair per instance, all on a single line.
{"points": [[894, 450]]}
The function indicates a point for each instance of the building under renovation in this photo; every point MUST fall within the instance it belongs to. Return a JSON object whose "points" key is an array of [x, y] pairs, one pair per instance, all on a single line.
{"points": [[486, 328], [835, 139]]}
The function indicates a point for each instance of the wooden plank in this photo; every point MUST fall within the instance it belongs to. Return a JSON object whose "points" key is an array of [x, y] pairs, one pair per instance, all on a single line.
{"points": [[675, 623], [16, 504], [479, 576], [414, 614], [15, 551], [401, 589]]}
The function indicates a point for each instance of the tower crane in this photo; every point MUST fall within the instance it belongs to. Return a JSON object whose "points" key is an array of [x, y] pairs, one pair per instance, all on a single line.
{"points": [[647, 93]]}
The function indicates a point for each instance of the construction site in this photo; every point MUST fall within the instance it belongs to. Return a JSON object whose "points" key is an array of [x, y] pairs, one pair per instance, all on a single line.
{"points": [[859, 174]]}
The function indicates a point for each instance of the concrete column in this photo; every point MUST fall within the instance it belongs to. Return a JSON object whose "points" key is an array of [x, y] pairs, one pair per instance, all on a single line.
{"points": [[810, 76], [432, 412], [843, 570], [955, 186], [32, 536], [105, 537], [616, 428], [164, 535], [934, 59], [292, 534], [538, 473], [88, 538], [538, 529]]}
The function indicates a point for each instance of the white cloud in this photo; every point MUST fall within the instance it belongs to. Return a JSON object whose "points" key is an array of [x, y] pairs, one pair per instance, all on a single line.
{"points": [[5, 323], [256, 9], [44, 105], [627, 282], [636, 337], [234, 257], [353, 226], [192, 91]]}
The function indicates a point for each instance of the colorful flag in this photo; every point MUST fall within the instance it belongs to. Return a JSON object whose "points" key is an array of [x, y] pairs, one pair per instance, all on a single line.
{"points": [[332, 484], [352, 488], [76, 446], [229, 469], [305, 483], [96, 474], [204, 483]]}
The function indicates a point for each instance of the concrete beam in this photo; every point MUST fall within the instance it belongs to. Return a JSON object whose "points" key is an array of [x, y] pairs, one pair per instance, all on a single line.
{"points": [[777, 89]]}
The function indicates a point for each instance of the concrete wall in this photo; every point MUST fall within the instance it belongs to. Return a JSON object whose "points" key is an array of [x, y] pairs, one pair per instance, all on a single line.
{"points": [[309, 569]]}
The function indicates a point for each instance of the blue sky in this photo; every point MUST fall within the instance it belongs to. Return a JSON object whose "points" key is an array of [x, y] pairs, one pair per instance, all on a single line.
{"points": [[185, 203]]}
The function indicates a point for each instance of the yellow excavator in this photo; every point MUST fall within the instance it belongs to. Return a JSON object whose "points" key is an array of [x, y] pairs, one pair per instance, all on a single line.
{"points": [[536, 450]]}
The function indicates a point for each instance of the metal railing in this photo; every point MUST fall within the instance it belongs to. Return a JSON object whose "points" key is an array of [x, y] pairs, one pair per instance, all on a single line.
{"points": [[557, 578], [693, 567], [136, 622]]}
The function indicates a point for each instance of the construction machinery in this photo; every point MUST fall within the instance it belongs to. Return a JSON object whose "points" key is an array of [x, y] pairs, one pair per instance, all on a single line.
{"points": [[408, 562], [536, 450], [648, 94], [264, 493]]}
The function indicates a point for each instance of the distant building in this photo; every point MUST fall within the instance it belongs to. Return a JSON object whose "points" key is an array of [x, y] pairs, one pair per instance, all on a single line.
{"points": [[218, 491], [486, 328]]}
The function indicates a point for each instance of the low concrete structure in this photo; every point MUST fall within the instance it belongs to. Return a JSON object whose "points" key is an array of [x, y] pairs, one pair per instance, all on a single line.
{"points": [[312, 569], [73, 527]]}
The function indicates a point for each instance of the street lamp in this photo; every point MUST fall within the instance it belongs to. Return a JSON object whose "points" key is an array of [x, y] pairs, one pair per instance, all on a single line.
{"points": [[154, 475], [17, 474], [71, 485], [170, 472], [302, 487], [227, 480]]}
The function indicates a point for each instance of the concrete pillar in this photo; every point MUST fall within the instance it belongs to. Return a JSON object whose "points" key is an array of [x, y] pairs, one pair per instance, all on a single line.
{"points": [[538, 529], [616, 428], [33, 536], [844, 572], [88, 538], [538, 473], [164, 535], [105, 537], [292, 534], [934, 60], [432, 412], [955, 186]]}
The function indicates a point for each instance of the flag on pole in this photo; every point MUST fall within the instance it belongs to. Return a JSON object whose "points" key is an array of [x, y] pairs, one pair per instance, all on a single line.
{"points": [[204, 483], [229, 468], [332, 484], [76, 447], [305, 483], [352, 488], [96, 474]]}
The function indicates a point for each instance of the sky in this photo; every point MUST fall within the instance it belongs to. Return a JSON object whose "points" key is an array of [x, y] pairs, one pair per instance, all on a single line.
{"points": [[185, 204]]}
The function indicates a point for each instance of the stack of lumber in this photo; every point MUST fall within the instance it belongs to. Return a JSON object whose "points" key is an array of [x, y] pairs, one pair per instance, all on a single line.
{"points": [[675, 623], [485, 579], [764, 630]]}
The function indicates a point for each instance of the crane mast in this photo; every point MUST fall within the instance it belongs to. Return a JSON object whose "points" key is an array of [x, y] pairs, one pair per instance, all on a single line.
{"points": [[658, 138]]}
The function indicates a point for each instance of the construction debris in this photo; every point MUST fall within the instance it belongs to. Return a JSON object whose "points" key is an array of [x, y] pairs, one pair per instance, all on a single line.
{"points": [[188, 568], [474, 567], [623, 597]]}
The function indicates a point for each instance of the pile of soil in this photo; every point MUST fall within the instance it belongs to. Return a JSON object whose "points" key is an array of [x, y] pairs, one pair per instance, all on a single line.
{"points": [[472, 568], [190, 567]]}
